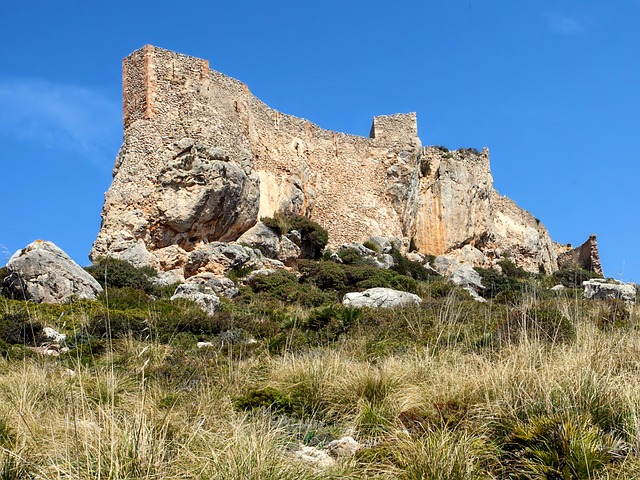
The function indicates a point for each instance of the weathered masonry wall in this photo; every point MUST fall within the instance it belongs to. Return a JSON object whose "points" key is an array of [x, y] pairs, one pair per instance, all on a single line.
{"points": [[203, 159], [342, 181]]}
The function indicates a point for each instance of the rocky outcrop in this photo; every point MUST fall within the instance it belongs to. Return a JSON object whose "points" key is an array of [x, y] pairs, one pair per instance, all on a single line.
{"points": [[43, 273], [380, 298], [599, 289], [201, 295], [203, 160], [462, 215], [270, 243]]}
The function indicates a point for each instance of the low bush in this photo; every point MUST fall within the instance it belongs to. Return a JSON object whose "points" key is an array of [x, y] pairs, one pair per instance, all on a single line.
{"points": [[120, 324], [614, 314], [573, 276], [111, 272], [412, 269], [313, 237], [18, 329], [510, 269], [268, 398], [497, 284], [284, 286], [558, 446]]}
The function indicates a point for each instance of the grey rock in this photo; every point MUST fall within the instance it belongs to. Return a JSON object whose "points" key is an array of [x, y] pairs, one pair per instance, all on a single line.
{"points": [[42, 272], [475, 295], [557, 288], [466, 276], [314, 456], [220, 285], [295, 237], [202, 295], [288, 251], [380, 298], [383, 243], [445, 265], [359, 248], [256, 273], [270, 243], [416, 257], [263, 238], [204, 195], [53, 335], [163, 279], [220, 257], [369, 256], [124, 246], [599, 289]]}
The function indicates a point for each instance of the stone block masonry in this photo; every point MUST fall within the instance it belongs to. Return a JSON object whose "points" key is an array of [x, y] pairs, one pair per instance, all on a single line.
{"points": [[203, 159]]}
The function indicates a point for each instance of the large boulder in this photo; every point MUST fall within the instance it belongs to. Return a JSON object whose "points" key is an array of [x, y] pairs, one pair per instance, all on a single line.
{"points": [[220, 285], [380, 297], [270, 243], [220, 257], [201, 295], [599, 289], [43, 273]]}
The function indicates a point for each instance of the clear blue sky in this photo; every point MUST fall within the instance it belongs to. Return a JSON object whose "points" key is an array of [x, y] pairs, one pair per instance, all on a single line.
{"points": [[551, 87]]}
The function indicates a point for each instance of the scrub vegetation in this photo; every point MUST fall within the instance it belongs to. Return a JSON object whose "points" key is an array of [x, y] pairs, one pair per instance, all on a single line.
{"points": [[532, 384]]}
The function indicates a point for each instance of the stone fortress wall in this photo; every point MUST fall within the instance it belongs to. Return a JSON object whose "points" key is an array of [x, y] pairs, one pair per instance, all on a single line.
{"points": [[203, 159]]}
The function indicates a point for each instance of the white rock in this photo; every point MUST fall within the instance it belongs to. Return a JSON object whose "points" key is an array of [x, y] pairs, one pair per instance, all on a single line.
{"points": [[380, 298], [465, 276], [202, 295], [51, 334], [314, 456], [599, 289], [343, 447]]}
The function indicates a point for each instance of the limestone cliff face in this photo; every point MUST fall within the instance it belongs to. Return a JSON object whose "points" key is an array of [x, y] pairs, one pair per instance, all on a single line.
{"points": [[203, 159], [461, 213]]}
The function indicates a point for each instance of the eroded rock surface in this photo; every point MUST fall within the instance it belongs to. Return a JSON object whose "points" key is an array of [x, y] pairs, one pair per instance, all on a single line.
{"points": [[43, 273], [380, 297], [598, 289], [203, 160]]}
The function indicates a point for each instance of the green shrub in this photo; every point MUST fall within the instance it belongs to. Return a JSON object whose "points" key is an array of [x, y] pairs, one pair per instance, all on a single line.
{"points": [[510, 269], [323, 274], [614, 314], [573, 276], [111, 272], [18, 329], [268, 398], [350, 256], [558, 447], [412, 269], [124, 298], [4, 272], [424, 166], [284, 286], [496, 283], [313, 237], [363, 278], [279, 223], [119, 324], [372, 246]]}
